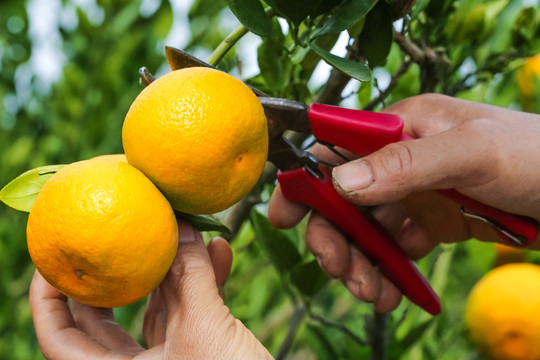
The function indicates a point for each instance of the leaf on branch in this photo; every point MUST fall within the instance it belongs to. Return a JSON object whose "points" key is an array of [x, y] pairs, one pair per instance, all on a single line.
{"points": [[203, 223], [278, 246], [252, 15], [346, 15], [376, 38], [308, 278], [352, 68], [21, 192], [295, 10], [272, 66]]}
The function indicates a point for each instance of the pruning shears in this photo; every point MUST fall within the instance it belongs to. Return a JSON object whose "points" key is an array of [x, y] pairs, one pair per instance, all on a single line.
{"points": [[303, 180]]}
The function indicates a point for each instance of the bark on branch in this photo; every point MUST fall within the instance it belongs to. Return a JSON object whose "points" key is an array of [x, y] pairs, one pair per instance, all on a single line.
{"points": [[433, 62]]}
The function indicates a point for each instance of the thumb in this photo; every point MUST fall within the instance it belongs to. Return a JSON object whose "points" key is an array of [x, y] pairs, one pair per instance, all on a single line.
{"points": [[455, 158], [190, 284]]}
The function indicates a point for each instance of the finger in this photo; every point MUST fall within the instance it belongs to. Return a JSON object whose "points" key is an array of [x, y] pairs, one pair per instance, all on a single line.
{"points": [[285, 214], [414, 240], [190, 285], [363, 279], [99, 323], [390, 216], [221, 257], [389, 298], [440, 161], [56, 329], [430, 114], [155, 320], [440, 217], [329, 246]]}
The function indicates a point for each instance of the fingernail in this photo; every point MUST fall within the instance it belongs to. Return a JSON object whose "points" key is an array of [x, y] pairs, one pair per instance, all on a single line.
{"points": [[320, 261], [355, 175], [186, 233]]}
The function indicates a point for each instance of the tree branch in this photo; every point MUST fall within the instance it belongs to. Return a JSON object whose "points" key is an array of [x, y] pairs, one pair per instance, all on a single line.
{"points": [[393, 82], [378, 339], [433, 62], [294, 323]]}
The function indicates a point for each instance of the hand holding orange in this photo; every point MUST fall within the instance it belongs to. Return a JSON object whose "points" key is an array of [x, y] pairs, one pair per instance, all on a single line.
{"points": [[102, 233]]}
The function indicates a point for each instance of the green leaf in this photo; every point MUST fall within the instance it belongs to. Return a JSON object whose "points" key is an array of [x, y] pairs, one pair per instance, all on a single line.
{"points": [[352, 68], [203, 223], [252, 15], [346, 15], [399, 347], [482, 255], [21, 192], [279, 248], [376, 37], [272, 66], [320, 342], [308, 278], [296, 10]]}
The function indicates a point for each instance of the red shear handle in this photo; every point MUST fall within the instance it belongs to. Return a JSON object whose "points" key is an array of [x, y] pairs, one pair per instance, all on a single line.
{"points": [[368, 235], [364, 132]]}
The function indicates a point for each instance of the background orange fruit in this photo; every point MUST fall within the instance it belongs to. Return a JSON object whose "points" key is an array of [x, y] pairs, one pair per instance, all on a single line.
{"points": [[502, 313], [101, 232], [529, 76], [200, 135]]}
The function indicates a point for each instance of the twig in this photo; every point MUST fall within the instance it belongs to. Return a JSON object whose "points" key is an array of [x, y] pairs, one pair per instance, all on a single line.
{"points": [[378, 337], [223, 48], [433, 63], [340, 327], [393, 82], [410, 48], [296, 320]]}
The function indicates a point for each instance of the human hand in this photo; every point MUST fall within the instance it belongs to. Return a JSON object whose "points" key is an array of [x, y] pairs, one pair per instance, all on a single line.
{"points": [[485, 152], [185, 317]]}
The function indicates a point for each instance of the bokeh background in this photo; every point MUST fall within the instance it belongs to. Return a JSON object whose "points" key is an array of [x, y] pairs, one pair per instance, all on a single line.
{"points": [[69, 72]]}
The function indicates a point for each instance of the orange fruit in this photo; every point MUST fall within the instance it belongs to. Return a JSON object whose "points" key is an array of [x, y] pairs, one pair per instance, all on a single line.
{"points": [[506, 254], [101, 232], [501, 313], [200, 135], [529, 75]]}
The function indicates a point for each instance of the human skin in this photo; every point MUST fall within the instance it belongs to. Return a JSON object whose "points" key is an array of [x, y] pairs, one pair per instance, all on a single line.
{"points": [[185, 318], [488, 153]]}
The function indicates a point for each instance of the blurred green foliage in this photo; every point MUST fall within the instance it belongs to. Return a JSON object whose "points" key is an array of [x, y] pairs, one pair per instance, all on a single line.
{"points": [[275, 288]]}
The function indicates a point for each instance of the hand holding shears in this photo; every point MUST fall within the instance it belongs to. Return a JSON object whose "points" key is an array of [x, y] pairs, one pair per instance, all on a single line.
{"points": [[302, 180]]}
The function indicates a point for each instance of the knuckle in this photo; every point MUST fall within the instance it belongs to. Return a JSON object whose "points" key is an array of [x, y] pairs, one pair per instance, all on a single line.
{"points": [[396, 159]]}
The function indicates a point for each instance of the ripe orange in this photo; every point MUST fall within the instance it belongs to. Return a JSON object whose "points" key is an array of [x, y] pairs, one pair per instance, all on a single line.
{"points": [[200, 135], [101, 232], [529, 75], [501, 313]]}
